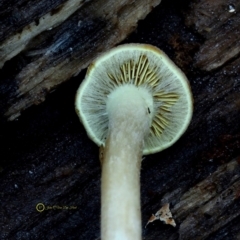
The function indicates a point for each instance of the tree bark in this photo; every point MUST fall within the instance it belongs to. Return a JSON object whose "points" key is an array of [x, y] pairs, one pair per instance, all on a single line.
{"points": [[47, 158], [50, 58]]}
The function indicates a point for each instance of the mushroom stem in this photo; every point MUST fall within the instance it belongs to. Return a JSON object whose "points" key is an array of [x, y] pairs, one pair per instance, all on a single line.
{"points": [[129, 122]]}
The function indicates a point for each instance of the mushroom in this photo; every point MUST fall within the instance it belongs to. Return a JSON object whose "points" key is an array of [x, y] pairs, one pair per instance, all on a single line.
{"points": [[134, 100]]}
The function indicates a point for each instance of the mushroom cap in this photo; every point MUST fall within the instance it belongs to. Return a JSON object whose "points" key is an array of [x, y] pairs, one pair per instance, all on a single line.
{"points": [[144, 66]]}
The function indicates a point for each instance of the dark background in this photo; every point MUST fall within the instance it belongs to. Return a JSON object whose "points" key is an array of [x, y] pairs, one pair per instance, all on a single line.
{"points": [[46, 156]]}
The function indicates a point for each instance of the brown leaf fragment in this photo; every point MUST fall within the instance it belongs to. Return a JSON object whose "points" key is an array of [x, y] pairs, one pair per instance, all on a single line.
{"points": [[163, 214]]}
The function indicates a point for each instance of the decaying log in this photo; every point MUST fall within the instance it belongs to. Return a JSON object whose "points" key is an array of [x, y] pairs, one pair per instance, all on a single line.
{"points": [[209, 205], [205, 205], [23, 20], [66, 49], [219, 23], [47, 158]]}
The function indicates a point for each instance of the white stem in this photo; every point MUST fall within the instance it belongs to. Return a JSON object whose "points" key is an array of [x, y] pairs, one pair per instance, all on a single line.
{"points": [[129, 121]]}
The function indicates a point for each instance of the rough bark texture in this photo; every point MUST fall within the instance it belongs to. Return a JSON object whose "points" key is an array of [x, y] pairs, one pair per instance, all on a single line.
{"points": [[47, 158], [219, 22], [23, 20], [55, 56]]}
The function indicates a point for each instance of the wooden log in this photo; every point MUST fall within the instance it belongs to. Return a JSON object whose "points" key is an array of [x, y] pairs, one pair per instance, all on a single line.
{"points": [[47, 158], [67, 49], [15, 15], [219, 23], [25, 20], [204, 205]]}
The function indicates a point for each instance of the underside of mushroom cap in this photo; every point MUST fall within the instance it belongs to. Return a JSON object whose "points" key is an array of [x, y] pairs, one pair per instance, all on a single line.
{"points": [[145, 67]]}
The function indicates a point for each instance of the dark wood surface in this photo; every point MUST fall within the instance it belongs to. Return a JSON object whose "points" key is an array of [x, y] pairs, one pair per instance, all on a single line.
{"points": [[51, 51], [15, 15], [47, 158]]}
